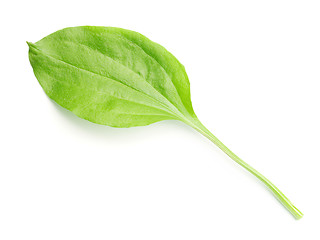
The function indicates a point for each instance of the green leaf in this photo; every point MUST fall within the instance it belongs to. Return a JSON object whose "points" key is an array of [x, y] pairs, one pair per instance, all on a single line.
{"points": [[111, 76], [120, 78]]}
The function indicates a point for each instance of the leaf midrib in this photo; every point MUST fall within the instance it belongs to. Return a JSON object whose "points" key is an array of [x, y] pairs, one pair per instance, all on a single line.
{"points": [[170, 112], [172, 109], [172, 105]]}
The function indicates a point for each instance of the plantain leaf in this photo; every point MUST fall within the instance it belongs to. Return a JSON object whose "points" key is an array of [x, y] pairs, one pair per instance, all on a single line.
{"points": [[112, 76], [120, 78]]}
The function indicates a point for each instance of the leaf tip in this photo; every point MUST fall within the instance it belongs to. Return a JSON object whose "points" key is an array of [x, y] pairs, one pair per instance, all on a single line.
{"points": [[30, 44]]}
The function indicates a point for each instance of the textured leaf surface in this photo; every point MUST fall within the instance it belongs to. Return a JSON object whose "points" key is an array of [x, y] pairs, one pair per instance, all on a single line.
{"points": [[120, 78], [111, 76]]}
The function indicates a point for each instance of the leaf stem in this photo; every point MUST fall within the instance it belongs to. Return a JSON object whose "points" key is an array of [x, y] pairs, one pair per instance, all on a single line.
{"points": [[277, 193]]}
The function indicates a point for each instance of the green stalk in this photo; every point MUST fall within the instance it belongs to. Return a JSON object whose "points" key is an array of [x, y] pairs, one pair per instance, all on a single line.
{"points": [[277, 193]]}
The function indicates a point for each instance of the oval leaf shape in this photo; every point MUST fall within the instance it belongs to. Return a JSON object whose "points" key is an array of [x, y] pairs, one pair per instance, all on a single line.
{"points": [[111, 76], [120, 78]]}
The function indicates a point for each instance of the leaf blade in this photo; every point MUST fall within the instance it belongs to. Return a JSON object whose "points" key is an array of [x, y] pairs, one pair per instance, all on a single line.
{"points": [[59, 58]]}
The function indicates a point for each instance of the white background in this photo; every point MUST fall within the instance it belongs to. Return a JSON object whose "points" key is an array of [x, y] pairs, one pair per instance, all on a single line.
{"points": [[254, 68]]}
